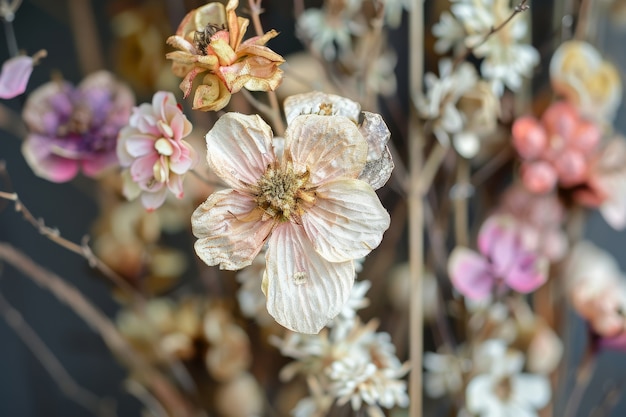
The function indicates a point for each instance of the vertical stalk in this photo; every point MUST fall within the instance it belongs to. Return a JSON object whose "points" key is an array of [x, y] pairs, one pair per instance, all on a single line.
{"points": [[416, 209]]}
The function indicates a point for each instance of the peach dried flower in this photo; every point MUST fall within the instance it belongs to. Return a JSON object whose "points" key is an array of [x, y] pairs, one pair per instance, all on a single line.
{"points": [[210, 42]]}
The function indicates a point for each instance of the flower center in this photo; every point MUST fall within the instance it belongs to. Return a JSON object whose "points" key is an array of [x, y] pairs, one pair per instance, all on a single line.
{"points": [[280, 192], [202, 38], [503, 389]]}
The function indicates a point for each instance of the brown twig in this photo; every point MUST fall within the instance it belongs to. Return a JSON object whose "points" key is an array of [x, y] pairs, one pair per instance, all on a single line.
{"points": [[416, 211], [83, 249], [86, 399], [583, 378], [277, 120], [160, 386]]}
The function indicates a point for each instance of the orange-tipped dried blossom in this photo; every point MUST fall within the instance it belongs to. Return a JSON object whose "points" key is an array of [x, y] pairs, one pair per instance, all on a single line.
{"points": [[210, 42]]}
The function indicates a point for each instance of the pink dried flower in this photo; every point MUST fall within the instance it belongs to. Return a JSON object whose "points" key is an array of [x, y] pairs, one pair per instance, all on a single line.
{"points": [[153, 149], [307, 204], [503, 262], [606, 186], [540, 220], [75, 128], [557, 149]]}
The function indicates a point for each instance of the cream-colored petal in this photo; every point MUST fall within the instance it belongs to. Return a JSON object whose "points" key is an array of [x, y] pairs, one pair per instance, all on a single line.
{"points": [[320, 103], [346, 221], [377, 172], [328, 147], [229, 229], [239, 149], [304, 291]]}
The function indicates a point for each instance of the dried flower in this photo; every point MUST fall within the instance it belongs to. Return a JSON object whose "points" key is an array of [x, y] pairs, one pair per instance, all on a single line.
{"points": [[597, 289], [556, 150], [290, 202], [593, 85], [329, 30], [605, 187], [502, 389], [359, 367], [506, 58], [503, 262], [444, 373], [540, 219], [153, 149], [210, 40], [75, 128]]}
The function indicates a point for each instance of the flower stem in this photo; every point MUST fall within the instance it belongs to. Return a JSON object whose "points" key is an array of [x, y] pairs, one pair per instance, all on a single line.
{"points": [[277, 120], [70, 296], [65, 382], [583, 378], [10, 34], [460, 204], [83, 249], [416, 210]]}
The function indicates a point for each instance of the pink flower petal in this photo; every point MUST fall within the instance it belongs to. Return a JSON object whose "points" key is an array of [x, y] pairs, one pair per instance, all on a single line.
{"points": [[96, 166], [139, 144], [15, 75], [153, 200], [142, 169], [239, 149], [229, 229], [539, 177], [328, 147], [346, 221], [36, 151], [528, 273], [586, 137], [304, 291], [571, 167], [529, 137], [470, 273]]}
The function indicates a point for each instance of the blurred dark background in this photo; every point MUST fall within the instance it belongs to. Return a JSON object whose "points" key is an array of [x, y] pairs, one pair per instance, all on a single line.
{"points": [[26, 389]]}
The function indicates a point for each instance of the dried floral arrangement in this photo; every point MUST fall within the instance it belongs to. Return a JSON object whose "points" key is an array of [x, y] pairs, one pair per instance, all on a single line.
{"points": [[358, 233]]}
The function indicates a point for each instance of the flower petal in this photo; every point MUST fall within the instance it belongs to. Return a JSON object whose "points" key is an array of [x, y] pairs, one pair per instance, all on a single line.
{"points": [[328, 147], [15, 75], [239, 149], [304, 291], [528, 389], [230, 232], [470, 273], [320, 103], [347, 220], [44, 163]]}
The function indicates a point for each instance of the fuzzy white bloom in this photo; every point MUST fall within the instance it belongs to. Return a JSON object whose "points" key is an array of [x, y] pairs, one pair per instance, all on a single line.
{"points": [[393, 11], [444, 373], [329, 31], [357, 367], [507, 58], [502, 390]]}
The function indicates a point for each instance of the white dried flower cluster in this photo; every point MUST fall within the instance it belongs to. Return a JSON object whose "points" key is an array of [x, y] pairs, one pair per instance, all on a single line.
{"points": [[507, 55], [358, 367], [461, 107]]}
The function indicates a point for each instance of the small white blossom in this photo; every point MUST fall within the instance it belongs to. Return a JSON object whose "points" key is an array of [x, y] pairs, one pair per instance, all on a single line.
{"points": [[502, 390]]}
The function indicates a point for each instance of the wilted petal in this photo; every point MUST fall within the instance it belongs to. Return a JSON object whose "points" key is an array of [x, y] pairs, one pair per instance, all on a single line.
{"points": [[320, 103], [239, 149], [153, 200], [530, 389], [37, 152], [15, 75], [253, 73], [527, 273], [377, 172], [347, 220], [470, 273], [304, 291], [328, 147], [230, 232], [212, 95]]}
